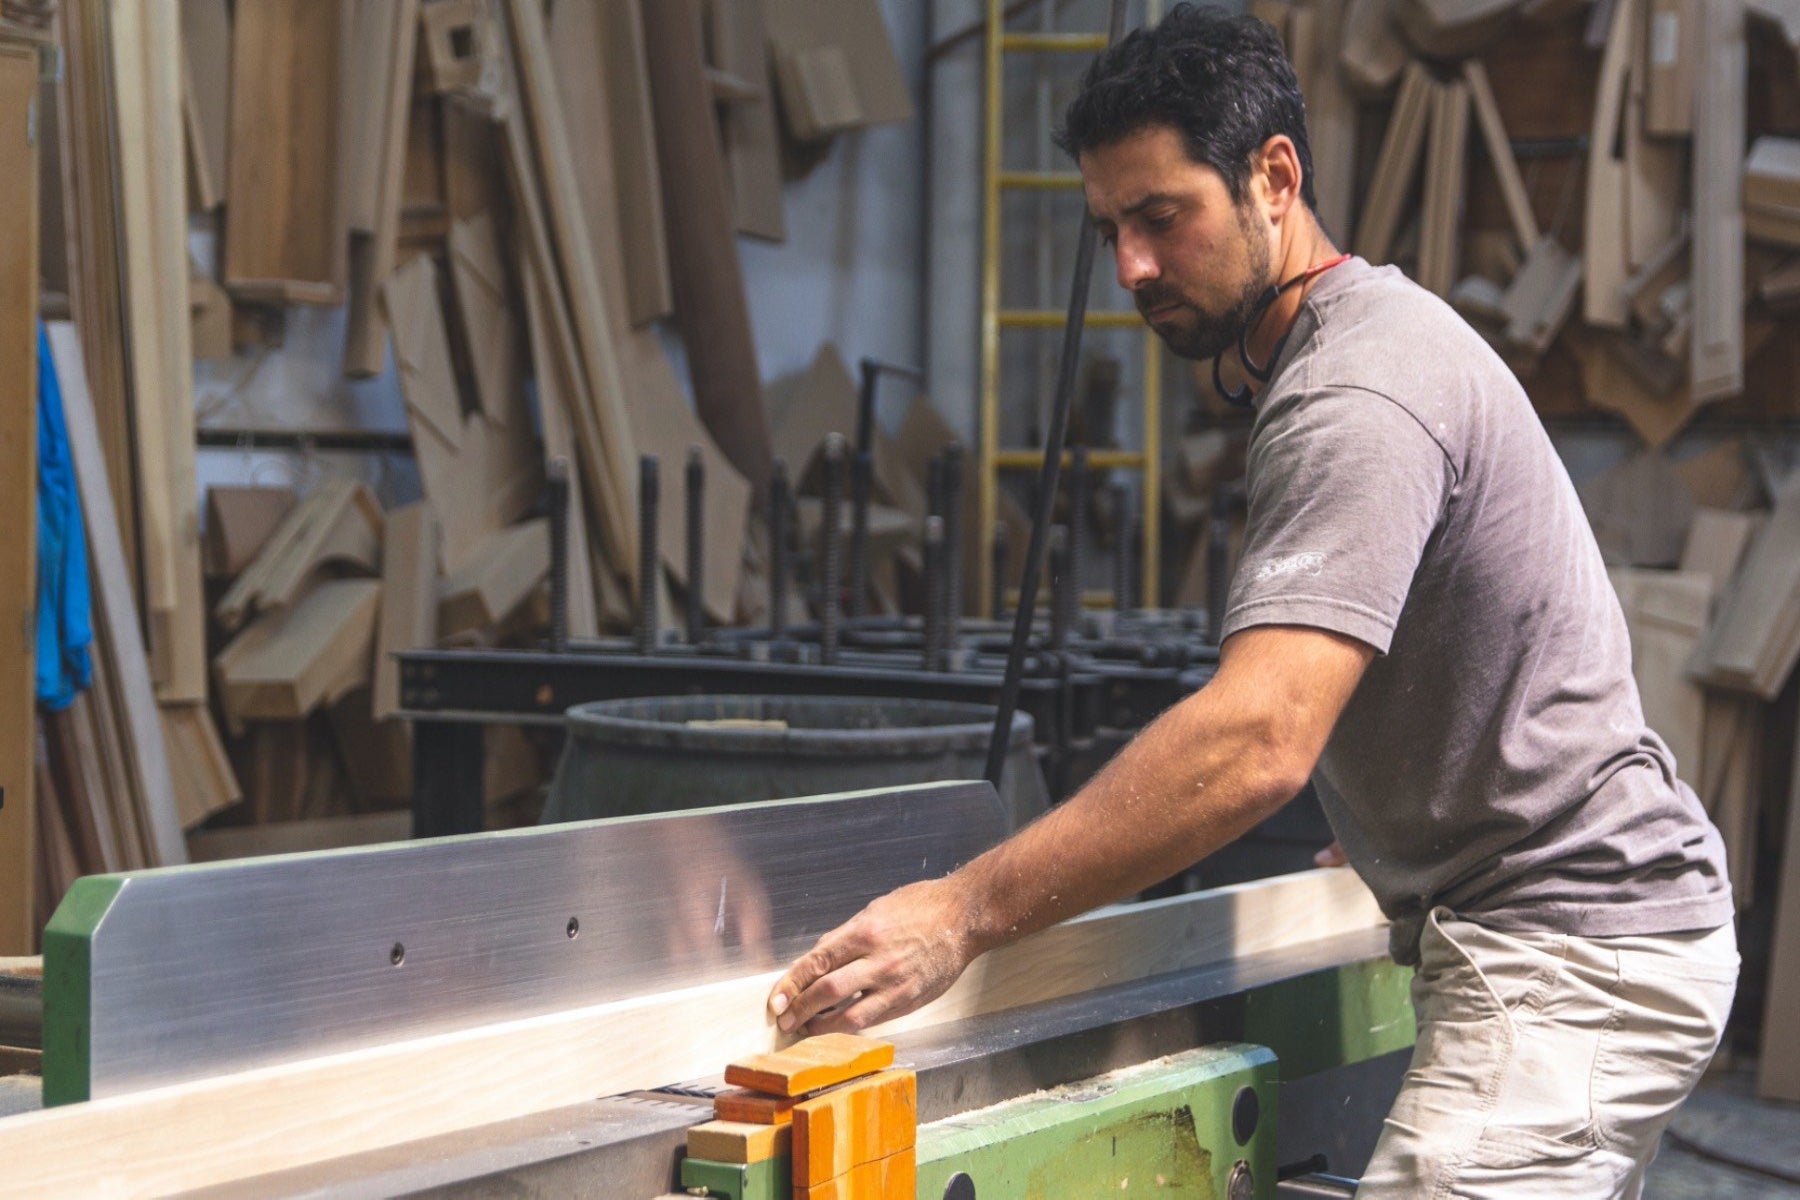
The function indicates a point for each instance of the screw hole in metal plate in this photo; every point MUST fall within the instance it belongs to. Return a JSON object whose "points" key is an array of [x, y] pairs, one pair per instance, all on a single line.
{"points": [[574, 928], [397, 955]]}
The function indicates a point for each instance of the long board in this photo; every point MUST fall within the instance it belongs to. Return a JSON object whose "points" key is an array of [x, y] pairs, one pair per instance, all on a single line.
{"points": [[234, 1127]]}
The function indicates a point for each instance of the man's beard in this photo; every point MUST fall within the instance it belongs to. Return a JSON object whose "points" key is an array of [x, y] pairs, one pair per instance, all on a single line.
{"points": [[1196, 334]]}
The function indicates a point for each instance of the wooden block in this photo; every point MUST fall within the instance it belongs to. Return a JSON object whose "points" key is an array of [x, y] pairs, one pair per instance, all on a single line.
{"points": [[1672, 52], [285, 240], [286, 664], [1541, 295], [737, 1141], [409, 598], [496, 579], [240, 520], [1716, 363], [892, 1178], [859, 1123], [755, 1108], [811, 1064]]}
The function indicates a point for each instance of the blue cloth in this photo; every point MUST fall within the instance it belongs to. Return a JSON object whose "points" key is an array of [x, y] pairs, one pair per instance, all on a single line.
{"points": [[64, 627]]}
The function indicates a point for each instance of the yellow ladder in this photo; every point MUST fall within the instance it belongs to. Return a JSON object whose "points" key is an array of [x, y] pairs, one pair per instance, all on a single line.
{"points": [[996, 181]]}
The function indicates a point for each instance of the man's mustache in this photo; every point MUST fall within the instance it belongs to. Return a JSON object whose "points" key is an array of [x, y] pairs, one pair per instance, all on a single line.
{"points": [[1150, 299]]}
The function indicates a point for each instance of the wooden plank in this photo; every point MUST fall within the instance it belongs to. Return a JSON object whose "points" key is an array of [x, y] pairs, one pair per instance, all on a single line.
{"points": [[1396, 165], [18, 495], [119, 641], [1604, 255], [408, 597], [496, 579], [199, 768], [206, 92], [285, 241], [286, 664], [644, 250], [1778, 1071], [559, 444], [225, 1129], [374, 256], [710, 306], [299, 837], [572, 274], [1500, 154], [740, 44], [1716, 364], [1672, 54], [1755, 641], [1446, 174], [489, 322]]}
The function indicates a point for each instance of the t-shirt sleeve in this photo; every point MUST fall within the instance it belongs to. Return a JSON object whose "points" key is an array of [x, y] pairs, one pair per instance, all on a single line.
{"points": [[1345, 489]]}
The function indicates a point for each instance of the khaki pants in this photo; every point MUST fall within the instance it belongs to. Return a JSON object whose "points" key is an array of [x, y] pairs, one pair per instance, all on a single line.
{"points": [[1548, 1065]]}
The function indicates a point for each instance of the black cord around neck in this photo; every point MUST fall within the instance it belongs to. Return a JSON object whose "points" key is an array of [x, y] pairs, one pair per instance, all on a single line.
{"points": [[1240, 396]]}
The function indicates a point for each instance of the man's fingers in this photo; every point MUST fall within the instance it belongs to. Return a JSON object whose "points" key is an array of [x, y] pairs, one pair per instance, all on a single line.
{"points": [[833, 950], [1330, 856], [827, 992], [872, 1008]]}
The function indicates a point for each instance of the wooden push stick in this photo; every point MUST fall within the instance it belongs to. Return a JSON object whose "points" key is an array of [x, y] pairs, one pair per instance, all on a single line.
{"points": [[807, 1066]]}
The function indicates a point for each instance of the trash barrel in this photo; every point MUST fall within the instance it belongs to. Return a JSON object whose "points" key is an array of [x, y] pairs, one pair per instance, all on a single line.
{"points": [[668, 753]]}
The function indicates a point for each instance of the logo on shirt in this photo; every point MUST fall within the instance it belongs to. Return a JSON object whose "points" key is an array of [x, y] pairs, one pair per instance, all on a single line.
{"points": [[1310, 562]]}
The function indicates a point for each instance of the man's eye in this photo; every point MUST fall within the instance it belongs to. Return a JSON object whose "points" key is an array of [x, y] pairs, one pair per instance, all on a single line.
{"points": [[1161, 220]]}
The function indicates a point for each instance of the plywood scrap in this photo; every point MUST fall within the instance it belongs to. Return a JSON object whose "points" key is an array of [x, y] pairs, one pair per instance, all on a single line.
{"points": [[286, 664], [1753, 644], [1716, 363], [285, 241], [408, 598], [496, 579], [479, 474], [845, 39], [337, 527], [240, 520]]}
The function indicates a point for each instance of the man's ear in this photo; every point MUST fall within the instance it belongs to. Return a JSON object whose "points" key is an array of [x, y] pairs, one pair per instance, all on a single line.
{"points": [[1279, 173]]}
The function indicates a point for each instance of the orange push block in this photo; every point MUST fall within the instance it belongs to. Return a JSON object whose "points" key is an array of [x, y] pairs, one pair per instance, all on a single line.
{"points": [[892, 1178], [737, 1142], [858, 1123], [753, 1108], [807, 1066]]}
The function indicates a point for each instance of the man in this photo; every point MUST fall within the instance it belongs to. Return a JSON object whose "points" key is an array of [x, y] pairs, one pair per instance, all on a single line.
{"points": [[1421, 623]]}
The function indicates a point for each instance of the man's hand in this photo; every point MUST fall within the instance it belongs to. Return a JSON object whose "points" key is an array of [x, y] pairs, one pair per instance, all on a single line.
{"points": [[900, 953]]}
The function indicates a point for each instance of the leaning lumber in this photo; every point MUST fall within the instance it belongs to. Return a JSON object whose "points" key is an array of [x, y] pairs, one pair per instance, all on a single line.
{"points": [[286, 664]]}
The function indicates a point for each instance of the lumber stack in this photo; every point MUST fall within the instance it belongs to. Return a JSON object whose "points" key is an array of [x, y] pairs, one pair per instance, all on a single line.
{"points": [[1573, 179]]}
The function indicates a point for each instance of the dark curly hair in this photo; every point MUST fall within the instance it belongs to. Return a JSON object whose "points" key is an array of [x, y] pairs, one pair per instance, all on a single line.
{"points": [[1222, 81]]}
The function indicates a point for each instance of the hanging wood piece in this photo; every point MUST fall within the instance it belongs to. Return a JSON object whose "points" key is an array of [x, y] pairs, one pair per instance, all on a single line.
{"points": [[285, 239]]}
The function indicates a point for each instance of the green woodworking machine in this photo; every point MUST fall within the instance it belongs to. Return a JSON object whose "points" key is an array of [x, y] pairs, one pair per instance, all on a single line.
{"points": [[545, 1012]]}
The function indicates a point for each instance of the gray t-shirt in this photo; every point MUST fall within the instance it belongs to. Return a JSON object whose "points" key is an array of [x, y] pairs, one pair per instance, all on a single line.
{"points": [[1494, 758]]}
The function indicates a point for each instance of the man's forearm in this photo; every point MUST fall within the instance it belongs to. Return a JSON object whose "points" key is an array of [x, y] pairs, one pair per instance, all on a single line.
{"points": [[1196, 778]]}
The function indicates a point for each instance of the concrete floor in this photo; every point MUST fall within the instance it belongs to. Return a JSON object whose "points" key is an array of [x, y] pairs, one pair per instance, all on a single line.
{"points": [[1724, 1116]]}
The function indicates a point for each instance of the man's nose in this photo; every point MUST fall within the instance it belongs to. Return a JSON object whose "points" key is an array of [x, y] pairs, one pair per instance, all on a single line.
{"points": [[1135, 264]]}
